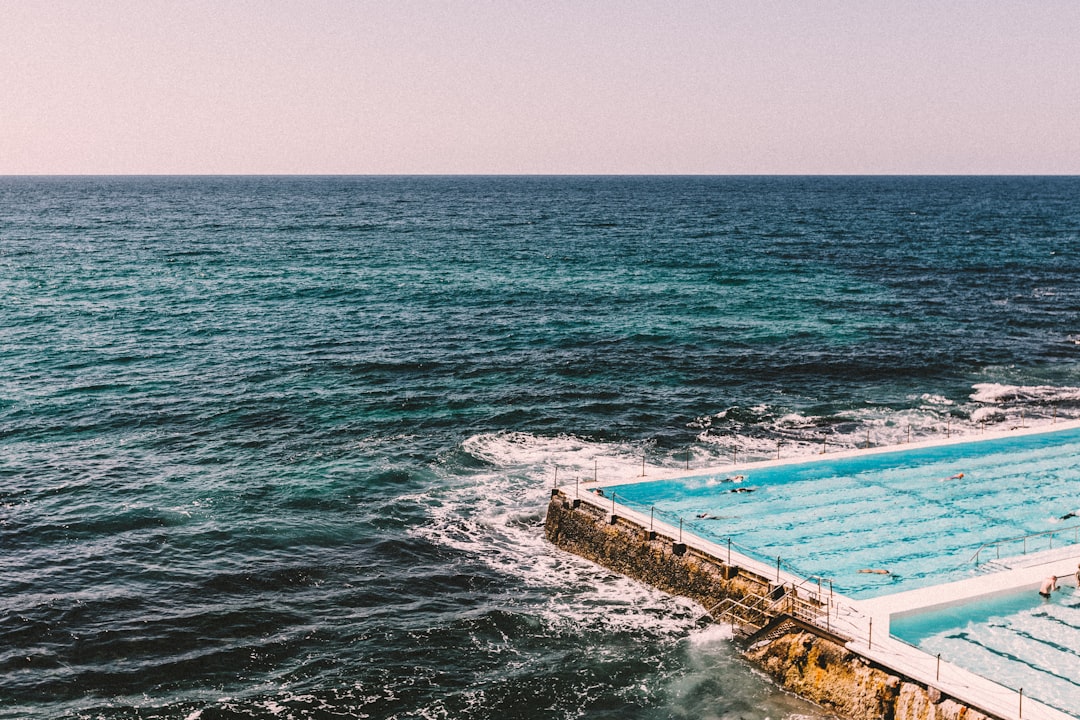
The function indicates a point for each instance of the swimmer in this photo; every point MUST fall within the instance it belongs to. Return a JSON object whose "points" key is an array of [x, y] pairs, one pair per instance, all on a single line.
{"points": [[710, 516], [599, 491], [1049, 585], [957, 476], [743, 489], [1069, 515], [875, 571]]}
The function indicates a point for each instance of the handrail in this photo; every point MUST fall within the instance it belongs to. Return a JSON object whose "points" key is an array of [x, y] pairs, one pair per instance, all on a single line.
{"points": [[975, 558], [807, 582], [763, 608], [755, 617]]}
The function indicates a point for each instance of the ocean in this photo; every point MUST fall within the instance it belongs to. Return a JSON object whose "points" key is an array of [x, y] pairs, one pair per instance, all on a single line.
{"points": [[281, 447]]}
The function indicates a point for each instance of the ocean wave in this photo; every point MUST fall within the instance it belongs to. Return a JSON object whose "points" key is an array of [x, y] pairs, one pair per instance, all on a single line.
{"points": [[999, 393]]}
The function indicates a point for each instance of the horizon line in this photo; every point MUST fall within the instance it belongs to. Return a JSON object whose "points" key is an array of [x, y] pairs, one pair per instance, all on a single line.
{"points": [[538, 175]]}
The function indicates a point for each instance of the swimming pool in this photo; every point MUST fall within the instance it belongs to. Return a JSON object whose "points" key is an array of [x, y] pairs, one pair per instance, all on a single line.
{"points": [[907, 512], [1019, 640]]}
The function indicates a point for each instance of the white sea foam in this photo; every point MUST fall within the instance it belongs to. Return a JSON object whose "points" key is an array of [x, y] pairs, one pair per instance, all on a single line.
{"points": [[1000, 393], [496, 515], [711, 635], [722, 440]]}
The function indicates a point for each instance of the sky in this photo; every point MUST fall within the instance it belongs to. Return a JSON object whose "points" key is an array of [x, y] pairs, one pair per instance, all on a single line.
{"points": [[539, 87]]}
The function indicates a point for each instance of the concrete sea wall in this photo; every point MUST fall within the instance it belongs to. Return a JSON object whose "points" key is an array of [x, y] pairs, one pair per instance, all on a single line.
{"points": [[814, 665]]}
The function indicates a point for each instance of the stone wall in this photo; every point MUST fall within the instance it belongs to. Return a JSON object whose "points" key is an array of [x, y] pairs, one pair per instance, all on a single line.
{"points": [[627, 549], [807, 664]]}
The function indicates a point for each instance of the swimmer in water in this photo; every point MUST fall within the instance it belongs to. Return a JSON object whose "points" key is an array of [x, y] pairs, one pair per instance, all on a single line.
{"points": [[743, 489], [957, 476], [875, 571], [734, 479], [709, 516], [1069, 515]]}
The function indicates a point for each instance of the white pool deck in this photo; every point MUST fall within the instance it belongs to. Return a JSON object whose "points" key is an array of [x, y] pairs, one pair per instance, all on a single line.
{"points": [[951, 679], [867, 621]]}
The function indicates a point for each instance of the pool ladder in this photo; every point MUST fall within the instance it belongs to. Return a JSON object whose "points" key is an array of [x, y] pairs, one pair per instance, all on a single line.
{"points": [[754, 614]]}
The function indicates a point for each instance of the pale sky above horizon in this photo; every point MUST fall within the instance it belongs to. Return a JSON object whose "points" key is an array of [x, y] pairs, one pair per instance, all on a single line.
{"points": [[542, 86]]}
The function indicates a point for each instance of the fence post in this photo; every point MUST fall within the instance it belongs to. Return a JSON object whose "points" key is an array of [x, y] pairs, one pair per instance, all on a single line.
{"points": [[937, 675], [870, 636], [777, 568]]}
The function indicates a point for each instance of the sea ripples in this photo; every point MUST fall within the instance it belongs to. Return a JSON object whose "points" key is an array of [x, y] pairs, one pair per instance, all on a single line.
{"points": [[280, 447]]}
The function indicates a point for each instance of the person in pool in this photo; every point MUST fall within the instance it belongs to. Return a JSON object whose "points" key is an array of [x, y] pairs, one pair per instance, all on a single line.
{"points": [[1049, 585]]}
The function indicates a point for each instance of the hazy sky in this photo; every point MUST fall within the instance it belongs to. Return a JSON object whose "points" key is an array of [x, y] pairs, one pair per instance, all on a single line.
{"points": [[539, 86]]}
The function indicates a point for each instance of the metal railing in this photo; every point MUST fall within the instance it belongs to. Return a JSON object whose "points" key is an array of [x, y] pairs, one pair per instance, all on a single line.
{"points": [[1049, 534], [749, 617]]}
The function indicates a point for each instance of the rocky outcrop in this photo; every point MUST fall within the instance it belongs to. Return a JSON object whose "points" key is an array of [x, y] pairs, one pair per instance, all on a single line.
{"points": [[849, 685]]}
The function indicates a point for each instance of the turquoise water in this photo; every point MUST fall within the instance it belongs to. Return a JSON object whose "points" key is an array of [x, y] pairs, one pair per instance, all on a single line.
{"points": [[901, 511], [1019, 640], [280, 447]]}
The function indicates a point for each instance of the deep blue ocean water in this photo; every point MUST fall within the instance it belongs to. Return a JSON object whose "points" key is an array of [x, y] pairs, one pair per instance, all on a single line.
{"points": [[281, 447]]}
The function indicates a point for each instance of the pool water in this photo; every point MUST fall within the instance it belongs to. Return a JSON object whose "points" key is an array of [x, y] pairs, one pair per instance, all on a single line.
{"points": [[1019, 640], [906, 511]]}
